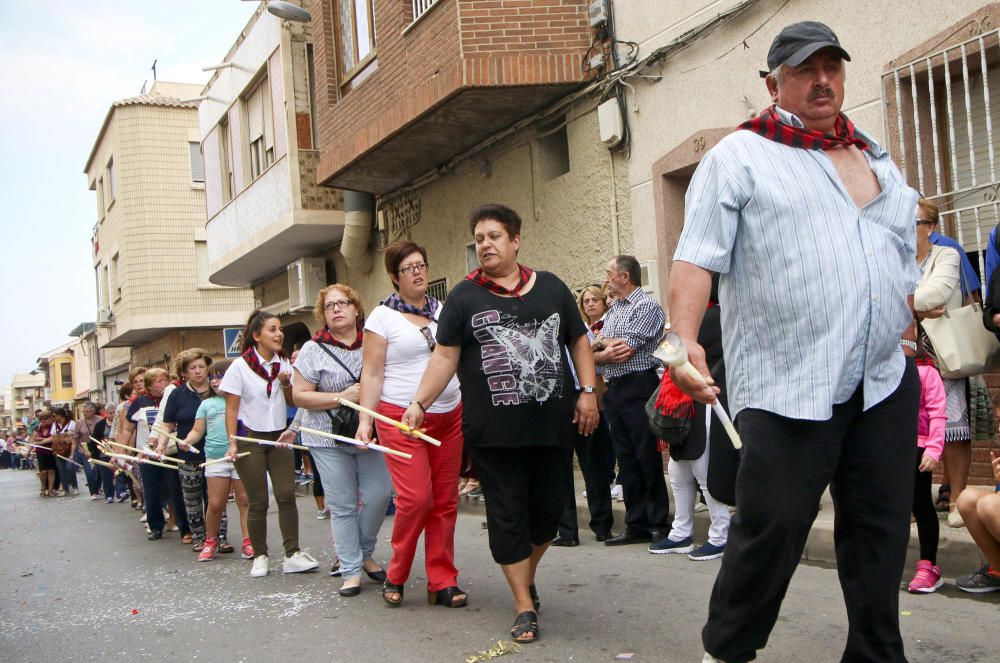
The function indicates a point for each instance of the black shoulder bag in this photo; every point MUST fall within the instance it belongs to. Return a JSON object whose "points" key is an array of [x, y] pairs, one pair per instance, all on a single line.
{"points": [[344, 420]]}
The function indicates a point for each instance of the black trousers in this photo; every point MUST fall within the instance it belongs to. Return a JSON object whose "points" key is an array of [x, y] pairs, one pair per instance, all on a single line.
{"points": [[641, 465], [928, 527], [592, 452], [524, 489], [867, 458]]}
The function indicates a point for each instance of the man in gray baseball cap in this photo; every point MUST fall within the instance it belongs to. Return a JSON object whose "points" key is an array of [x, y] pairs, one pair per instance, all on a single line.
{"points": [[821, 388]]}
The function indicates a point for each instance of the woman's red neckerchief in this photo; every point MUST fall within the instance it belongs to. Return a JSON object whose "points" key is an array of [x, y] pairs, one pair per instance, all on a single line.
{"points": [[325, 336], [597, 326], [770, 125], [250, 357], [494, 287]]}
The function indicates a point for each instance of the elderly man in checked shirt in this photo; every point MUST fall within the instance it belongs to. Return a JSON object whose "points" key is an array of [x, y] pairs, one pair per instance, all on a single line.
{"points": [[632, 327], [812, 228]]}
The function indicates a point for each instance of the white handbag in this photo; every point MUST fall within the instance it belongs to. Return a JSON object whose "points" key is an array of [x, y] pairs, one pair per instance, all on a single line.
{"points": [[962, 344]]}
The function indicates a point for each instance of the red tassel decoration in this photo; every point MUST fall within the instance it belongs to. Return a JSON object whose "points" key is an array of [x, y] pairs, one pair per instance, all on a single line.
{"points": [[673, 402]]}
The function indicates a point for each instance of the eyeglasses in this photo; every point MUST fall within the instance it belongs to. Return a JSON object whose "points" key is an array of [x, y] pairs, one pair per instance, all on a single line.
{"points": [[415, 267], [429, 337], [343, 303], [924, 222]]}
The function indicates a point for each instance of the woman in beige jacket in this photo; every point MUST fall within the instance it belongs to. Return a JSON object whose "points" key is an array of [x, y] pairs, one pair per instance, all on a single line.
{"points": [[940, 289]]}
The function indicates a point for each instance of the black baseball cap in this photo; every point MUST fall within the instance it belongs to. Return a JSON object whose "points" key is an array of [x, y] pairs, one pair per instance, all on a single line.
{"points": [[796, 42]]}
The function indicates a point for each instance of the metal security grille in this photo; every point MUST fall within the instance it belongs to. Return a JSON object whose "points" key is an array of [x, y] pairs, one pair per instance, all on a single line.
{"points": [[420, 7], [941, 108], [438, 289]]}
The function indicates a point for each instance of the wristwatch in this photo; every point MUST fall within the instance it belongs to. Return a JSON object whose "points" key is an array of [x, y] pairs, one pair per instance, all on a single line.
{"points": [[587, 388]]}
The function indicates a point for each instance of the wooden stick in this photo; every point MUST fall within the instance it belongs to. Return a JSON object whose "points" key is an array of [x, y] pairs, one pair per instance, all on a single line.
{"points": [[270, 443], [67, 459], [357, 443], [392, 422], [140, 459], [224, 458], [151, 454], [179, 441], [102, 463]]}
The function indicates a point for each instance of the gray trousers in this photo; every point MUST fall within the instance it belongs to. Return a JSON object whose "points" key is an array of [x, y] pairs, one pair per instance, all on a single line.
{"points": [[349, 475]]}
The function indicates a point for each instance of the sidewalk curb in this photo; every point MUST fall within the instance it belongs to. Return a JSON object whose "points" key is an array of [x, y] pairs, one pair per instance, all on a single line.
{"points": [[957, 552]]}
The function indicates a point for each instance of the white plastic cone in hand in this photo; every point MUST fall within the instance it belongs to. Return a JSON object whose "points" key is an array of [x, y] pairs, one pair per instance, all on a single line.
{"points": [[672, 352]]}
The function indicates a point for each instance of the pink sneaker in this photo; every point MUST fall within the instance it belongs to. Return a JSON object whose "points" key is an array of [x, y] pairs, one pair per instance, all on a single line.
{"points": [[926, 580], [247, 549], [207, 553]]}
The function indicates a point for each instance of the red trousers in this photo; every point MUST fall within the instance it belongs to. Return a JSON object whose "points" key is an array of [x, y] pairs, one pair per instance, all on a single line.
{"points": [[427, 495]]}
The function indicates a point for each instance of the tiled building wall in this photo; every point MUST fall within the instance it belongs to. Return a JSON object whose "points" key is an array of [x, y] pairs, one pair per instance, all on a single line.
{"points": [[160, 209]]}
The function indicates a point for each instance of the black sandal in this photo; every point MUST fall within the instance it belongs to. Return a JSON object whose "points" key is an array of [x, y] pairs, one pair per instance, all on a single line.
{"points": [[392, 588], [526, 623], [449, 597], [534, 596]]}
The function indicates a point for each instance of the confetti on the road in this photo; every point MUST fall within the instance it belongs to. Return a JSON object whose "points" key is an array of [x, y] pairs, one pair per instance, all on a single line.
{"points": [[133, 611], [906, 613], [499, 649], [625, 656]]}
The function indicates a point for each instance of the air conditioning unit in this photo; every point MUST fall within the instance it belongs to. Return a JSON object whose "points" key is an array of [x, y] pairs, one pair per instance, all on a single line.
{"points": [[306, 277], [104, 316]]}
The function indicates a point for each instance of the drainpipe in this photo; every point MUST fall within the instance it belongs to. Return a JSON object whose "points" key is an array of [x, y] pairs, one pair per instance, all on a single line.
{"points": [[359, 208]]}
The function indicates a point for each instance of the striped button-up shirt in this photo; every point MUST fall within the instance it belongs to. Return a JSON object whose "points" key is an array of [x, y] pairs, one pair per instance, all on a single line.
{"points": [[813, 289], [638, 321]]}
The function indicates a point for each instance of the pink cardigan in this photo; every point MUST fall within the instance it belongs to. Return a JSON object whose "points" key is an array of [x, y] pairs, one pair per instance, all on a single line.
{"points": [[931, 417]]}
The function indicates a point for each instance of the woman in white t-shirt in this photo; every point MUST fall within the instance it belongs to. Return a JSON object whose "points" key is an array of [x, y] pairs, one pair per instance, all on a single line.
{"points": [[257, 387], [399, 339]]}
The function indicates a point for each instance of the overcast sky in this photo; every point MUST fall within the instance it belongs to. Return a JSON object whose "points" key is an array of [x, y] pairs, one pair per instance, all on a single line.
{"points": [[62, 63]]}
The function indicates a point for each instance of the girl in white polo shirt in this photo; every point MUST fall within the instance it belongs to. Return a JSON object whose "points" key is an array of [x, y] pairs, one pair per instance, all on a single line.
{"points": [[257, 387]]}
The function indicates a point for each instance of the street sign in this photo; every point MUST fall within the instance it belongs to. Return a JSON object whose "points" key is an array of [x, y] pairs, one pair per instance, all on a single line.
{"points": [[231, 339]]}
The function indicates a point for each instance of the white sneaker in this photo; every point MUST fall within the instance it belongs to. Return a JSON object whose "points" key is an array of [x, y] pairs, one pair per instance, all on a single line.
{"points": [[298, 563], [323, 515], [76, 491], [261, 567], [708, 658], [143, 518]]}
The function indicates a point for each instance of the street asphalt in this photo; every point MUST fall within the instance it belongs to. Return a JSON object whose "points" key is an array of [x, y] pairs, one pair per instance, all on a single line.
{"points": [[80, 582]]}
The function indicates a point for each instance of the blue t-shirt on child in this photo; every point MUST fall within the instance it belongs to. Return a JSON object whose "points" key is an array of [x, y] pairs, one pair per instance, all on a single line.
{"points": [[213, 411]]}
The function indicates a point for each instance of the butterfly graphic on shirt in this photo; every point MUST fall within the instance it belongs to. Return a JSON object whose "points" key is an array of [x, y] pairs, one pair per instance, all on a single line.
{"points": [[536, 355]]}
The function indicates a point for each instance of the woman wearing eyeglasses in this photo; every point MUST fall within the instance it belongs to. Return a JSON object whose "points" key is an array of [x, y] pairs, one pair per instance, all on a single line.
{"points": [[328, 367], [940, 289], [399, 340]]}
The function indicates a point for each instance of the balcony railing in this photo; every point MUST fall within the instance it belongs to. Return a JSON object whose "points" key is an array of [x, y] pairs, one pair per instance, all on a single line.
{"points": [[420, 7]]}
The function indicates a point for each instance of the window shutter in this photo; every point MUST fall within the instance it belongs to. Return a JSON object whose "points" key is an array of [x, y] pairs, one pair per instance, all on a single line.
{"points": [[197, 163], [268, 115], [255, 114]]}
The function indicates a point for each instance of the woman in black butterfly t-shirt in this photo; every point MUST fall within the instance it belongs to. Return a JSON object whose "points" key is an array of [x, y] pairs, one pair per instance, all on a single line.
{"points": [[506, 330]]}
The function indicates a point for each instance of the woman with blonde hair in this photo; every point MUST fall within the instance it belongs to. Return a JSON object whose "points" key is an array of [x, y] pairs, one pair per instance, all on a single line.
{"points": [[938, 290], [179, 416], [327, 369]]}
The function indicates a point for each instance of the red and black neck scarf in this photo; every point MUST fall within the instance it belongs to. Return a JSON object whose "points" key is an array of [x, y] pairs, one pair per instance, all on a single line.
{"points": [[597, 326], [252, 360], [494, 287], [770, 125], [325, 336]]}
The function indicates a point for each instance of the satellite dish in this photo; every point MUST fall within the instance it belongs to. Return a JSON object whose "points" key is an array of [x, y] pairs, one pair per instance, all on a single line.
{"points": [[288, 11]]}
